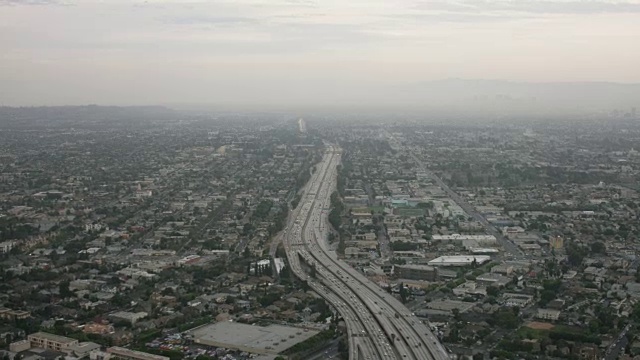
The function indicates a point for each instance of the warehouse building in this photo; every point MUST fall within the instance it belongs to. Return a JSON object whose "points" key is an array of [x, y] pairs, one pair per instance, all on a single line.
{"points": [[416, 272], [272, 339], [460, 260]]}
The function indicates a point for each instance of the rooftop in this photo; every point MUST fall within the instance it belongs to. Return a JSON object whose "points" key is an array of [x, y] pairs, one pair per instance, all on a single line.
{"points": [[53, 337], [134, 354], [459, 260], [271, 339]]}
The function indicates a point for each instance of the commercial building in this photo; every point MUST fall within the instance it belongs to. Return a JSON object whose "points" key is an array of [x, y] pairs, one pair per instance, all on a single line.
{"points": [[450, 305], [272, 339], [460, 238], [493, 279], [52, 342], [129, 317], [504, 269], [416, 272], [460, 260], [476, 250], [119, 353], [83, 349]]}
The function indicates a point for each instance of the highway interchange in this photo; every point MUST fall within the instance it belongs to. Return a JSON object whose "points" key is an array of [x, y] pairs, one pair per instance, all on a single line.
{"points": [[378, 325]]}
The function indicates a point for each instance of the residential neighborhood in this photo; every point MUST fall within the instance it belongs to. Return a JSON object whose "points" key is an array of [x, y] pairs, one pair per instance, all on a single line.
{"points": [[150, 239]]}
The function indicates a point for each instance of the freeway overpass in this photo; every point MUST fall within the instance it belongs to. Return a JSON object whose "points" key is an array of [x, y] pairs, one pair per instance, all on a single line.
{"points": [[379, 326]]}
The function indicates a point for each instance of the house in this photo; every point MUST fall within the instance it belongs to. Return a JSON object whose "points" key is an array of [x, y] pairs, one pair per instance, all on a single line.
{"points": [[519, 300], [129, 317], [8, 314]]}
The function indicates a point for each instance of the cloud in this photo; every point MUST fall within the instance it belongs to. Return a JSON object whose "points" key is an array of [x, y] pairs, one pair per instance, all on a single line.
{"points": [[211, 20], [531, 6], [196, 49], [32, 2]]}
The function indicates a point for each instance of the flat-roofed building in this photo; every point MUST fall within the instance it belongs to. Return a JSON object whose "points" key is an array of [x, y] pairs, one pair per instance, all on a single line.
{"points": [[502, 269], [129, 317], [120, 353], [493, 279], [460, 238], [19, 346], [520, 300], [52, 342], [483, 250], [450, 305], [460, 260], [416, 272], [272, 339], [83, 349], [548, 314], [96, 328], [9, 314], [355, 253]]}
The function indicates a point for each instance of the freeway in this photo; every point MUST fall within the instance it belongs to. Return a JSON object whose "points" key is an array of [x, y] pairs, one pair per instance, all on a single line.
{"points": [[618, 344], [379, 326]]}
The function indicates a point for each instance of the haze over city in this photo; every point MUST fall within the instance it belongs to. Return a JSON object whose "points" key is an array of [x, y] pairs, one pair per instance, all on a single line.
{"points": [[291, 54], [319, 180]]}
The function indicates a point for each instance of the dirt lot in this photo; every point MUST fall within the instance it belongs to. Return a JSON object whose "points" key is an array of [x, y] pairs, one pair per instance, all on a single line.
{"points": [[540, 325]]}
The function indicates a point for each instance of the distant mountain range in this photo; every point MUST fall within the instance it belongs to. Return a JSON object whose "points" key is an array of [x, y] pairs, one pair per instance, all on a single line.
{"points": [[81, 116], [448, 99]]}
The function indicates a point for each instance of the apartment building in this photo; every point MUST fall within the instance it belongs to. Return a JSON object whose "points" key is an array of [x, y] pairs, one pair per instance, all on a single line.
{"points": [[52, 342]]}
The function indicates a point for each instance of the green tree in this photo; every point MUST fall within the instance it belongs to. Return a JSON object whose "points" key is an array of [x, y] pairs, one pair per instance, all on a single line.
{"points": [[598, 247], [456, 314], [63, 288], [493, 291], [404, 293]]}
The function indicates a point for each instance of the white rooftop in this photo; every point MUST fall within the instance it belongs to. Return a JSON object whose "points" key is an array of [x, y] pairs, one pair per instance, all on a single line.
{"points": [[459, 260]]}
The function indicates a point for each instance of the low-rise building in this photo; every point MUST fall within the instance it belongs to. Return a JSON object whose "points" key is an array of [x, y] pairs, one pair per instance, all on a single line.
{"points": [[52, 342], [6, 246], [493, 279], [460, 260], [469, 288], [18, 346], [9, 314], [519, 300], [548, 314], [120, 353], [129, 317], [96, 328], [504, 269], [84, 349], [416, 272]]}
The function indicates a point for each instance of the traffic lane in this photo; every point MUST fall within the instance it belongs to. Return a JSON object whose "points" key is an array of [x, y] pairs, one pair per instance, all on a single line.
{"points": [[303, 216]]}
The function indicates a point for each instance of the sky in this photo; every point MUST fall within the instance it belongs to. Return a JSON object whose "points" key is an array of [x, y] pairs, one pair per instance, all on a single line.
{"points": [[55, 52]]}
